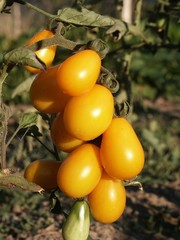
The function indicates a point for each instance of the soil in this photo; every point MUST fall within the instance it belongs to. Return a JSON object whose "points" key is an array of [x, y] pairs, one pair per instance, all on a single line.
{"points": [[150, 214]]}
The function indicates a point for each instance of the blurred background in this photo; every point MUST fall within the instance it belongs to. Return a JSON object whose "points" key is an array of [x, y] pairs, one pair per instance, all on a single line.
{"points": [[149, 78]]}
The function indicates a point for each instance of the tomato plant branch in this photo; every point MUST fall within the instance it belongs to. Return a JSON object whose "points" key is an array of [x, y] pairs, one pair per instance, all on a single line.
{"points": [[12, 137], [48, 149], [3, 134], [138, 7], [39, 10], [56, 153], [58, 40], [3, 117]]}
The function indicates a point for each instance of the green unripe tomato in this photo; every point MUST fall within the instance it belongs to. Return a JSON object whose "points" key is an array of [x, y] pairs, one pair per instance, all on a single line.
{"points": [[77, 223]]}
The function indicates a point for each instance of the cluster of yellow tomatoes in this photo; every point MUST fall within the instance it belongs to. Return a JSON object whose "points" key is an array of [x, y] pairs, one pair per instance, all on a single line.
{"points": [[84, 113]]}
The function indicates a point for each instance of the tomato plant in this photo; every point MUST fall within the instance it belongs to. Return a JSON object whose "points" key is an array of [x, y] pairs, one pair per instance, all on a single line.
{"points": [[121, 152], [76, 100], [43, 172], [80, 171], [44, 93], [46, 55], [89, 115], [107, 201], [78, 73], [61, 138]]}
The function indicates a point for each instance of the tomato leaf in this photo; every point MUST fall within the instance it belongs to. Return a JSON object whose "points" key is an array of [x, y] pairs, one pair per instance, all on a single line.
{"points": [[23, 87], [34, 131], [55, 204], [84, 17], [150, 137], [23, 56], [122, 109], [15, 180], [28, 120], [119, 29]]}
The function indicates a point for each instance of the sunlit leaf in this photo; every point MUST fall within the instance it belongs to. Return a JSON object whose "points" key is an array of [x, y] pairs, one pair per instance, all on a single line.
{"points": [[14, 180], [28, 120], [84, 17], [23, 56]]}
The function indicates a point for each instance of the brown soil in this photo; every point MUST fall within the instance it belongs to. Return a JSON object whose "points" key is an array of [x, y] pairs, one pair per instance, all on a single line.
{"points": [[150, 214]]}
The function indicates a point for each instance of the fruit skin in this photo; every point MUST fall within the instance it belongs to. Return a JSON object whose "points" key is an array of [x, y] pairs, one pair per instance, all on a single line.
{"points": [[46, 55], [44, 94], [108, 200], [77, 224], [43, 172], [80, 172], [121, 152], [89, 115], [78, 73], [61, 138]]}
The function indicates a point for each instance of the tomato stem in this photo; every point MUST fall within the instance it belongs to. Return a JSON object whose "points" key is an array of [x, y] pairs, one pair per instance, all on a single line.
{"points": [[48, 149], [39, 10], [3, 117], [133, 183]]}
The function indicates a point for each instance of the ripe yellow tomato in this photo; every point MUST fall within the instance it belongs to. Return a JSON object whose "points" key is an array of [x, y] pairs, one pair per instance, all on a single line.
{"points": [[89, 115], [80, 172], [78, 73], [43, 172], [46, 55], [45, 96], [107, 201], [121, 152], [61, 138]]}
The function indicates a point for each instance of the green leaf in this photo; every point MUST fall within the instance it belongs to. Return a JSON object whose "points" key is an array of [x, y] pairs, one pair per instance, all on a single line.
{"points": [[15, 180], [119, 28], [28, 120], [55, 204], [84, 17], [23, 56], [150, 137], [34, 131], [23, 87], [134, 30], [122, 109]]}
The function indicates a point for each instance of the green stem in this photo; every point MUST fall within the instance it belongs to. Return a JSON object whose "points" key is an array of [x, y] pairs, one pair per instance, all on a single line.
{"points": [[39, 10], [3, 134], [3, 75], [48, 149], [58, 40], [127, 77], [138, 8], [3, 118], [56, 154], [12, 137]]}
